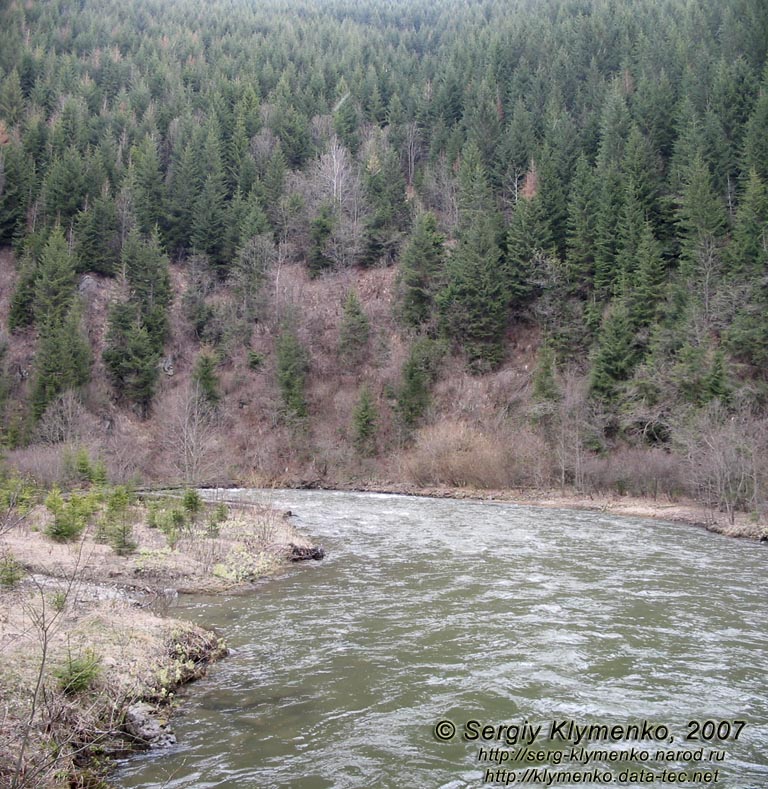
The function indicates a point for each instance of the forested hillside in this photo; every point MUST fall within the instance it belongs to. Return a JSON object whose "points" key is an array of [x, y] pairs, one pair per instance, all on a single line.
{"points": [[481, 242]]}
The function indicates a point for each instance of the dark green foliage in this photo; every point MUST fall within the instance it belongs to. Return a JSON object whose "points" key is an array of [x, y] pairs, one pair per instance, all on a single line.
{"points": [[292, 369], [54, 281], [118, 523], [581, 228], [364, 423], [545, 387], [192, 503], [320, 230], [528, 240], [646, 298], [98, 245], [131, 357], [63, 361], [700, 217], [747, 253], [79, 673], [16, 172], [385, 189], [573, 154], [616, 354], [419, 372], [149, 188], [473, 305], [206, 379], [21, 312], [354, 332], [421, 267]]}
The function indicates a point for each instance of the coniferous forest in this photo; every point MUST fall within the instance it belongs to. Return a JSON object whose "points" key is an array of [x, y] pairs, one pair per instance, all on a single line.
{"points": [[456, 242]]}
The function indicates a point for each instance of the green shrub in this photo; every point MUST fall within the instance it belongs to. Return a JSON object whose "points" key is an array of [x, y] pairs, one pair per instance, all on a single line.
{"points": [[68, 519], [78, 673], [192, 502], [255, 360], [11, 572]]}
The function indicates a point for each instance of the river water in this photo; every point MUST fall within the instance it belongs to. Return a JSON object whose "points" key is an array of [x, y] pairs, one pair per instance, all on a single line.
{"points": [[427, 611]]}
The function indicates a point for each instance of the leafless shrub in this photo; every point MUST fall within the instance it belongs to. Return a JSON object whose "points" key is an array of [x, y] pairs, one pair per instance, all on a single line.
{"points": [[646, 472], [44, 463], [458, 455], [65, 421], [725, 454], [189, 435]]}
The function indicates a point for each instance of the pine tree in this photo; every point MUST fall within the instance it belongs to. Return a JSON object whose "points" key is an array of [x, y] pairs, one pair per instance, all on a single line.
{"points": [[419, 371], [65, 187], [292, 369], [700, 218], [630, 229], [96, 232], [385, 190], [582, 231], [15, 174], [149, 188], [147, 274], [54, 281], [755, 138], [320, 230], [545, 388], [421, 265], [184, 188], [647, 295], [205, 377], [131, 357], [528, 237], [11, 98], [354, 333], [22, 309], [615, 356], [747, 253], [62, 362], [364, 423], [473, 305]]}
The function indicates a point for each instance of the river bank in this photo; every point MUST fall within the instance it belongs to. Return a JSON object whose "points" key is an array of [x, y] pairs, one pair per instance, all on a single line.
{"points": [[687, 512], [91, 663]]}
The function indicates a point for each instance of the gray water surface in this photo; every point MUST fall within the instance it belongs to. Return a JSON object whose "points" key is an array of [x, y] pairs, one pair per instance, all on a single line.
{"points": [[428, 610]]}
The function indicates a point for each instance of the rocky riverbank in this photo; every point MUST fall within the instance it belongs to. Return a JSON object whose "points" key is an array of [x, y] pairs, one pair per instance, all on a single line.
{"points": [[91, 663]]}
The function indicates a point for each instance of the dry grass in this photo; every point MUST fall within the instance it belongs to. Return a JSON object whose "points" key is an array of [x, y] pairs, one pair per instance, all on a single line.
{"points": [[47, 734], [81, 600]]}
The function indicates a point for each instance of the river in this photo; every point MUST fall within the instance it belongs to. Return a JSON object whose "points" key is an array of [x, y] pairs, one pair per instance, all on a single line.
{"points": [[481, 615]]}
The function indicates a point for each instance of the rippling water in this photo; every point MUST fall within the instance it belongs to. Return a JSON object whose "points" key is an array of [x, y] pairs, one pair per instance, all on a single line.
{"points": [[427, 610]]}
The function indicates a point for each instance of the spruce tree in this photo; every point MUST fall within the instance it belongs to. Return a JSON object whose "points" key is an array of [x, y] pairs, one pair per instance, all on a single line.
{"points": [[150, 189], [701, 219], [62, 362], [96, 233], [131, 357], [364, 423], [581, 229], [615, 356], [16, 172], [421, 265], [54, 281], [354, 332], [647, 295], [473, 305], [205, 377], [292, 369], [320, 230], [528, 237], [747, 254]]}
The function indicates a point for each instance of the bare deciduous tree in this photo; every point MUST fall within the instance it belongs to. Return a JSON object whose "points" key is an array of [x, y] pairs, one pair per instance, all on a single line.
{"points": [[191, 435]]}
